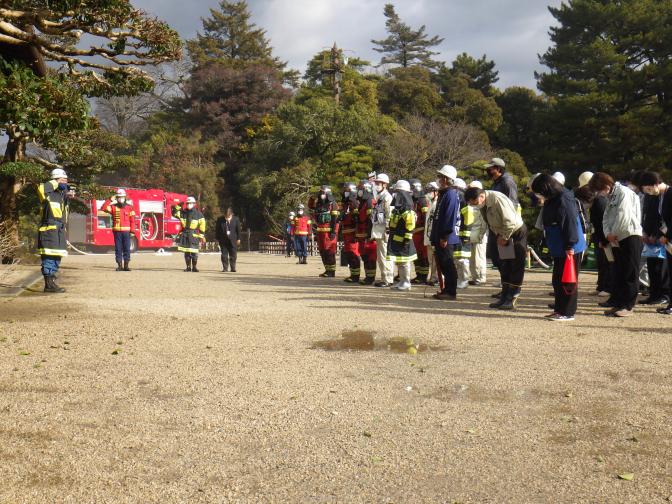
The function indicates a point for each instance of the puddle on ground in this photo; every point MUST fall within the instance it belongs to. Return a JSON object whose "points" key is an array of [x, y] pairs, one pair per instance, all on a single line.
{"points": [[370, 341]]}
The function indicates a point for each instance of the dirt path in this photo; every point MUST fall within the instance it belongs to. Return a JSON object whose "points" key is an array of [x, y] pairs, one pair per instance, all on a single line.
{"points": [[164, 386]]}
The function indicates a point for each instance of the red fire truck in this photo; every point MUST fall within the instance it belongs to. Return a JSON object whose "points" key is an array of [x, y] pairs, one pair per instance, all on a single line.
{"points": [[156, 226]]}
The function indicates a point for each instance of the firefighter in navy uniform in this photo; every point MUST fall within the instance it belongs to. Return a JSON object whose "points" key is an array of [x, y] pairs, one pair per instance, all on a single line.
{"points": [[349, 219], [193, 229], [51, 242], [422, 205], [123, 226], [367, 245], [326, 218]]}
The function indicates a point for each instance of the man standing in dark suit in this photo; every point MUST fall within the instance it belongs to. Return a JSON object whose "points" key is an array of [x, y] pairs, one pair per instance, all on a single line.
{"points": [[228, 236]]}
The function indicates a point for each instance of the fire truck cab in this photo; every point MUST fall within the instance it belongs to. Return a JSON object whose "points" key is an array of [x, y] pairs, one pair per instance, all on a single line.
{"points": [[155, 223]]}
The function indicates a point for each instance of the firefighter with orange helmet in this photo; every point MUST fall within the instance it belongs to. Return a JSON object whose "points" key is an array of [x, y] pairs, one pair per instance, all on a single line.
{"points": [[367, 245], [349, 218], [193, 232], [123, 225], [326, 215], [302, 228], [422, 205]]}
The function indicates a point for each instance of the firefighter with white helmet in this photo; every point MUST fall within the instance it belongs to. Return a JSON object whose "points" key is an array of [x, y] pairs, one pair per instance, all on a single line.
{"points": [[380, 219], [421, 207], [302, 228], [193, 232], [367, 245], [123, 226], [462, 252], [400, 247], [51, 242], [326, 216]]}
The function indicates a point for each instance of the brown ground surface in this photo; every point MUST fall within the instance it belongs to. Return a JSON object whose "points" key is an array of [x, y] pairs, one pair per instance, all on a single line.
{"points": [[162, 386]]}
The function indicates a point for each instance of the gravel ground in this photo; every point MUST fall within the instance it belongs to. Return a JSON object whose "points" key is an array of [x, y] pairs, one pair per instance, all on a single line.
{"points": [[159, 386]]}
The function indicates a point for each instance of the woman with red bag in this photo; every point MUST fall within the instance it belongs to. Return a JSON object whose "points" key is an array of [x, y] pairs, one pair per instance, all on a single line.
{"points": [[565, 238]]}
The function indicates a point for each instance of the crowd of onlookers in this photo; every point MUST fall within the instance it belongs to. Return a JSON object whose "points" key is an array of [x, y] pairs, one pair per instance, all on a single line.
{"points": [[447, 228]]}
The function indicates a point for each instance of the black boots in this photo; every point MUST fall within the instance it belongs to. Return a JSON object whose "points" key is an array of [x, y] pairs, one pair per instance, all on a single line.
{"points": [[50, 285], [510, 299], [501, 299], [187, 259], [123, 266], [126, 268], [119, 266], [194, 260], [303, 260]]}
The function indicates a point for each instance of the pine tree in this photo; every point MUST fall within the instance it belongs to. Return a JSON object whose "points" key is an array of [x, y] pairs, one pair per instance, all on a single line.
{"points": [[405, 46], [480, 73]]}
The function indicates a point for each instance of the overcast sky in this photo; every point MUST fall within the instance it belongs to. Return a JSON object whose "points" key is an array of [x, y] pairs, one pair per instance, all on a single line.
{"points": [[510, 32]]}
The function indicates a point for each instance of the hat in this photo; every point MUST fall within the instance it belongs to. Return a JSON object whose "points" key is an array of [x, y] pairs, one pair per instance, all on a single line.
{"points": [[432, 186], [476, 183], [381, 177], [191, 199], [301, 207], [292, 214], [448, 171], [498, 162], [58, 173], [121, 193], [559, 176], [402, 185], [584, 178]]}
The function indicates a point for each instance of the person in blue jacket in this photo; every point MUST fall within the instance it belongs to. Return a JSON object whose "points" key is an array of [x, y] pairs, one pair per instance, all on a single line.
{"points": [[445, 233], [565, 238]]}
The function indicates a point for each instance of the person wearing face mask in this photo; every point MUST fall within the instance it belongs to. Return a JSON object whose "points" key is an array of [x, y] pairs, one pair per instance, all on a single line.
{"points": [[652, 236], [510, 233], [302, 228], [193, 229], [431, 191], [478, 236], [421, 208], [326, 217], [51, 242], [123, 225], [445, 233], [349, 220], [400, 247], [623, 230], [367, 245], [380, 217]]}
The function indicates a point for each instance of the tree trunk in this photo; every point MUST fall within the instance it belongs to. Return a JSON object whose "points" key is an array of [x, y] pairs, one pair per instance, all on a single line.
{"points": [[9, 189]]}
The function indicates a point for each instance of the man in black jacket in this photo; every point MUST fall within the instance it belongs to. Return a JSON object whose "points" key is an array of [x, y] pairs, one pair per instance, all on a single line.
{"points": [[228, 236]]}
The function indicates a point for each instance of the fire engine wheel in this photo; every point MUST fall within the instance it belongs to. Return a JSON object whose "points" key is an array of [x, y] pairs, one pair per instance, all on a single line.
{"points": [[134, 244], [149, 226]]}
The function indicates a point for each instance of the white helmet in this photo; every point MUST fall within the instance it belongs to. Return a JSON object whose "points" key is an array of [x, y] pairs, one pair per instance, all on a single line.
{"points": [[460, 184], [191, 199], [448, 171], [476, 183], [559, 177], [58, 173], [432, 186], [584, 178], [403, 185], [292, 214], [383, 178], [301, 206], [121, 193]]}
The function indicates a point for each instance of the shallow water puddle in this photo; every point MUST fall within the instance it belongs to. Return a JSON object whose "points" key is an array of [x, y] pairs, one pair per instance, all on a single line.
{"points": [[370, 341]]}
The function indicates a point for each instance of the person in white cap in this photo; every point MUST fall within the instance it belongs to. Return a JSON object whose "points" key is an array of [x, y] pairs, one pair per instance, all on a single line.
{"points": [[400, 248], [51, 242], [478, 236], [559, 176], [382, 212], [445, 229], [193, 233], [432, 192], [123, 226]]}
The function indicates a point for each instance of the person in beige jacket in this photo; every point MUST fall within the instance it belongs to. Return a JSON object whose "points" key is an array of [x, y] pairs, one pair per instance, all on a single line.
{"points": [[478, 263], [502, 218]]}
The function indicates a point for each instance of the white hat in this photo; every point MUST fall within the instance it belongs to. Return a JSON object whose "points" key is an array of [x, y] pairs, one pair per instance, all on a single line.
{"points": [[58, 173], [191, 199], [448, 171], [292, 214], [403, 185], [476, 183], [460, 184], [496, 162], [381, 177], [559, 177], [432, 186], [584, 178], [301, 207], [121, 193]]}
